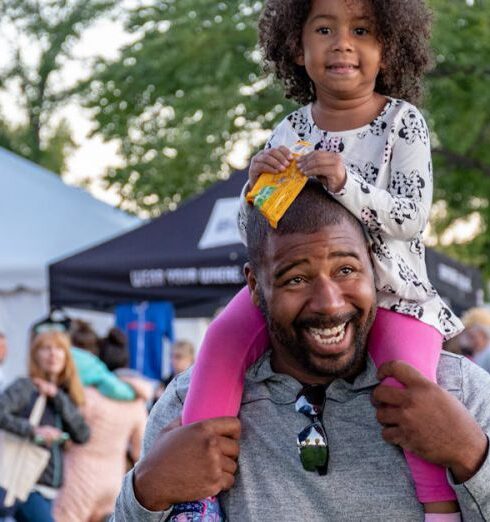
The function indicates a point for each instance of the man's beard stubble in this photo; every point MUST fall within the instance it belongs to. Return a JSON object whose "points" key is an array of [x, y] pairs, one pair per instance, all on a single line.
{"points": [[298, 347]]}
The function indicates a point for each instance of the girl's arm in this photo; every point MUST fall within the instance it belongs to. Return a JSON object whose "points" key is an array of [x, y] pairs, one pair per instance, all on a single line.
{"points": [[402, 209], [73, 422], [12, 401]]}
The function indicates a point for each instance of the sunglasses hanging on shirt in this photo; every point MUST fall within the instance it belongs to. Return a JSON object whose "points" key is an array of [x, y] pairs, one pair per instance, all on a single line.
{"points": [[312, 441]]}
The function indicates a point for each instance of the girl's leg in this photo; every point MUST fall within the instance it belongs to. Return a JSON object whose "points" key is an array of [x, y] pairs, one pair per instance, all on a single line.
{"points": [[396, 336], [233, 342]]}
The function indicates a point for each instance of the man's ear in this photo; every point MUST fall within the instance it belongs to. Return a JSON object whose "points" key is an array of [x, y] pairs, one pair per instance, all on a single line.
{"points": [[252, 283]]}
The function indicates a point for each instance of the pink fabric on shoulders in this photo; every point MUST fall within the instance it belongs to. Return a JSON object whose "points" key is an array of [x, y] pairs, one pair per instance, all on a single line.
{"points": [[233, 342], [395, 336]]}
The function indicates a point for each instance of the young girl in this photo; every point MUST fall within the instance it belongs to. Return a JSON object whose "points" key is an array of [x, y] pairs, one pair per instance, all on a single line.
{"points": [[350, 63], [52, 373]]}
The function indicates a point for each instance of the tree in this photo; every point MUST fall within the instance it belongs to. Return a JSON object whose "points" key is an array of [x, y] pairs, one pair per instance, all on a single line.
{"points": [[182, 98], [190, 88], [43, 35], [459, 108]]}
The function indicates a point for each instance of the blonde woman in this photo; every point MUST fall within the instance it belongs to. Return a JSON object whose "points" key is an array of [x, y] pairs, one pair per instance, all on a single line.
{"points": [[51, 373]]}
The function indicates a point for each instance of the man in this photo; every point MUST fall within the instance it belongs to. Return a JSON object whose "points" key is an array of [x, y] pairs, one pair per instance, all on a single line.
{"points": [[477, 335], [313, 280], [3, 356]]}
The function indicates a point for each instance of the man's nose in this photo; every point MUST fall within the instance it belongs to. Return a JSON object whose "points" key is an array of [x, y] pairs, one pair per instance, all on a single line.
{"points": [[327, 296]]}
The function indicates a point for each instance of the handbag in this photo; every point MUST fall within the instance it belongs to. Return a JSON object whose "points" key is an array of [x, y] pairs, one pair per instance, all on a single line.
{"points": [[21, 461]]}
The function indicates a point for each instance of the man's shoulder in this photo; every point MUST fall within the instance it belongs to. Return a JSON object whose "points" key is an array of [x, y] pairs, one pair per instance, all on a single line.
{"points": [[178, 386], [458, 374]]}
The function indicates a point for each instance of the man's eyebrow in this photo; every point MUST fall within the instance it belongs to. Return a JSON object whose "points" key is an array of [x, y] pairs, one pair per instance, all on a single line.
{"points": [[344, 253], [284, 269]]}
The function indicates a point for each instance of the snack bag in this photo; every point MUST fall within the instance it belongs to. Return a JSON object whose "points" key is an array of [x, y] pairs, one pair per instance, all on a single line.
{"points": [[274, 193]]}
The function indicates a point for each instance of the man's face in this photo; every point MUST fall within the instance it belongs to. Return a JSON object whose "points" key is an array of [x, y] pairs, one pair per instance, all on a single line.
{"points": [[3, 349], [317, 292]]}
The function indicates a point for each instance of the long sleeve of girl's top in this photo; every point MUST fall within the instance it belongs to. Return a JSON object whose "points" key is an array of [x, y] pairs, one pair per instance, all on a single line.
{"points": [[72, 419], [12, 401], [401, 210]]}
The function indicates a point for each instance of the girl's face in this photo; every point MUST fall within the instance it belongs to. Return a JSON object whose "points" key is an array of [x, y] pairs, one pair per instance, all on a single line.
{"points": [[51, 358], [340, 51]]}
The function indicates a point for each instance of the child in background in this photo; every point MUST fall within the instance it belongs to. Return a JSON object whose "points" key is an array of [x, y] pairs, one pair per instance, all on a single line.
{"points": [[355, 66]]}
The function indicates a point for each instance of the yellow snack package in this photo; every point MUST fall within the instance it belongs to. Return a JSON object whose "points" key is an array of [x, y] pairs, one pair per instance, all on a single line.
{"points": [[273, 194]]}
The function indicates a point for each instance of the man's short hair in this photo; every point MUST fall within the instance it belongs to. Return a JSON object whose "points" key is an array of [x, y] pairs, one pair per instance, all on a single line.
{"points": [[312, 210]]}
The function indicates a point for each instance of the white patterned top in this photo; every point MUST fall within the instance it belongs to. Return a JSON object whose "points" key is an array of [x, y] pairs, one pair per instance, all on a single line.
{"points": [[389, 189]]}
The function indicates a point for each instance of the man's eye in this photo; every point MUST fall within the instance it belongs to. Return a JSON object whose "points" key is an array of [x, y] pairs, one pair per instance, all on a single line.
{"points": [[346, 270], [361, 31], [295, 281]]}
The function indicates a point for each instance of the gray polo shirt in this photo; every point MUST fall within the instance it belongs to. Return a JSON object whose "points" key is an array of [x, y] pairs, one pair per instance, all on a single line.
{"points": [[367, 478]]}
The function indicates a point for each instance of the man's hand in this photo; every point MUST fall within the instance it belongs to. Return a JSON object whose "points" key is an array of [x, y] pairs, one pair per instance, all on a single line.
{"points": [[328, 167], [272, 161], [429, 421], [188, 463]]}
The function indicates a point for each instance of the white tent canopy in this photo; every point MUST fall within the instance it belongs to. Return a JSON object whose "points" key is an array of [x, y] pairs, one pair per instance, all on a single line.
{"points": [[41, 220]]}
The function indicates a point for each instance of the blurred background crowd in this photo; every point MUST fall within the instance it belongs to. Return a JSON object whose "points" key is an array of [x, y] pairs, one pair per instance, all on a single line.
{"points": [[92, 423]]}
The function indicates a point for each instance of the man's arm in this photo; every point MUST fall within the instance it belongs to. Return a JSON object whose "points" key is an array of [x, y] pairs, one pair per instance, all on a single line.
{"points": [[430, 422], [178, 464]]}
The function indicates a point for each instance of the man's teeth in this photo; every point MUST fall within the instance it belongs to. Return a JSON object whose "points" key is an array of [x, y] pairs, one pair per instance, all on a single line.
{"points": [[328, 335]]}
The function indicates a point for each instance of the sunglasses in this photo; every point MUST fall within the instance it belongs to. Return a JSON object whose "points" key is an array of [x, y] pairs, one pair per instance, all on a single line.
{"points": [[312, 441]]}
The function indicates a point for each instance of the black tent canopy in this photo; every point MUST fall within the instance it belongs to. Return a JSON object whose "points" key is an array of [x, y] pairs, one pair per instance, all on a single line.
{"points": [[193, 258], [172, 258]]}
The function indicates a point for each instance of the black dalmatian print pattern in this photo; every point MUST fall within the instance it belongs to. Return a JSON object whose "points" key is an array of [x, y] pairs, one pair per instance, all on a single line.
{"points": [[389, 189], [301, 125], [330, 144], [414, 128]]}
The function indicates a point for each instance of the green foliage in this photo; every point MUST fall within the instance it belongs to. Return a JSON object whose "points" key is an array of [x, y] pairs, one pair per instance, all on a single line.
{"points": [[190, 87], [58, 147], [182, 97], [46, 30], [459, 107], [189, 90]]}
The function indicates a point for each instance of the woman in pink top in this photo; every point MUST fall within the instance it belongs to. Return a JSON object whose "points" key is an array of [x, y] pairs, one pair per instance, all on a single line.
{"points": [[93, 476]]}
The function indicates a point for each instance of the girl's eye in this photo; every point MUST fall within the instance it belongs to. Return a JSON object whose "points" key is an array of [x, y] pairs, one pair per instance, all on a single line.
{"points": [[324, 30], [360, 31]]}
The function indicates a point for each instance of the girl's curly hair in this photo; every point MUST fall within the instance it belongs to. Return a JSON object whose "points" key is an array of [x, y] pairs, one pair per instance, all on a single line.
{"points": [[403, 29]]}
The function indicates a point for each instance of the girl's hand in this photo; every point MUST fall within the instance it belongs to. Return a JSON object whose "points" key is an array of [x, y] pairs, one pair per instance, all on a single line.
{"points": [[45, 387], [328, 167], [270, 160]]}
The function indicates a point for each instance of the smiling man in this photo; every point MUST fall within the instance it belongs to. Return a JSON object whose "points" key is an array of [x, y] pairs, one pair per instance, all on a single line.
{"points": [[316, 290], [308, 443]]}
